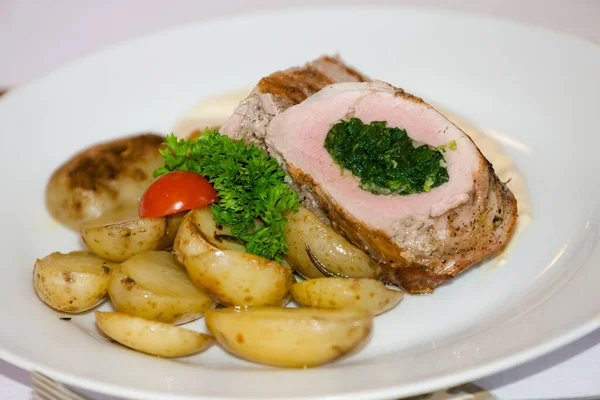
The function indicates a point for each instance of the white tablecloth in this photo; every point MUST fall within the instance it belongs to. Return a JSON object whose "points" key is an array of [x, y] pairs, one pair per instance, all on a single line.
{"points": [[36, 37]]}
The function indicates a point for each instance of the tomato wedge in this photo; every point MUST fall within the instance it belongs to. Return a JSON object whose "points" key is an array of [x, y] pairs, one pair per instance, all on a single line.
{"points": [[174, 192]]}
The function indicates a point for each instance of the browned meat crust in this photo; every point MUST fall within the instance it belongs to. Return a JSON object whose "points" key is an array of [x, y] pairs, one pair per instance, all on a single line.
{"points": [[294, 85], [283, 89]]}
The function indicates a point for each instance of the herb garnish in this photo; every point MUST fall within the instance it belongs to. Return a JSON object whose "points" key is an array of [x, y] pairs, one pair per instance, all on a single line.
{"points": [[385, 159], [249, 184]]}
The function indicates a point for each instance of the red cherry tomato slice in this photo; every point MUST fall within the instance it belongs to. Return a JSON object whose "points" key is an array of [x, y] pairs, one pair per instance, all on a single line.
{"points": [[176, 191]]}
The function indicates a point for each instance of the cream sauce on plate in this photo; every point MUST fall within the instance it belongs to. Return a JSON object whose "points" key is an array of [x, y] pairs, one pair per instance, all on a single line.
{"points": [[507, 171]]}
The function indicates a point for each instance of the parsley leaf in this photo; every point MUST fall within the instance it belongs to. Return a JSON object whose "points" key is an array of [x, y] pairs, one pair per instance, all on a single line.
{"points": [[249, 184]]}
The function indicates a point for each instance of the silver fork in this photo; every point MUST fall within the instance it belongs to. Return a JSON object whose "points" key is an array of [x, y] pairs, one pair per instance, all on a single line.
{"points": [[45, 388]]}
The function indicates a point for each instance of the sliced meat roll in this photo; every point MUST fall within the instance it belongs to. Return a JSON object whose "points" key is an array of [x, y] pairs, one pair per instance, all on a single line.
{"points": [[420, 239]]}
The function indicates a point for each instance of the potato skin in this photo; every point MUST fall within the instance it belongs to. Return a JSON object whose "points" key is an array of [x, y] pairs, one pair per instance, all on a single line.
{"points": [[103, 178], [333, 293], [333, 250], [289, 337], [213, 234], [173, 223], [152, 337], [72, 282], [240, 279], [198, 234], [189, 241], [132, 297], [120, 234]]}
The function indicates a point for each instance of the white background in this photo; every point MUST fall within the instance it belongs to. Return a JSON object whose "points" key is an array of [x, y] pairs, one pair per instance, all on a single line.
{"points": [[38, 36]]}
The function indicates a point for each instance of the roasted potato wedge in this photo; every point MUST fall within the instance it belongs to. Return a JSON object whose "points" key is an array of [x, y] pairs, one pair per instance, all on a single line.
{"points": [[240, 279], [72, 282], [120, 234], [152, 337], [153, 285], [103, 178], [362, 294], [338, 255], [289, 337], [198, 234], [173, 222], [218, 236], [189, 241]]}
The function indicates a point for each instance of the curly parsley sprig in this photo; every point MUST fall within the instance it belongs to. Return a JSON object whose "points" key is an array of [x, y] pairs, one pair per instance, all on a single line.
{"points": [[249, 184]]}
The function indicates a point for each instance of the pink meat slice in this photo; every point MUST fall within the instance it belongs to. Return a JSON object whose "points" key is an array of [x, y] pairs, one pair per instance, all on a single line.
{"points": [[420, 239], [299, 133]]}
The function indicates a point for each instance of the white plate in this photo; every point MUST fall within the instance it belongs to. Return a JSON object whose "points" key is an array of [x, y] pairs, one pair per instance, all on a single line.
{"points": [[539, 89]]}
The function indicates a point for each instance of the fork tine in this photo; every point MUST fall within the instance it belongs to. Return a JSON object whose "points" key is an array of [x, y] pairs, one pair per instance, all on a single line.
{"points": [[44, 396], [42, 389], [47, 389]]}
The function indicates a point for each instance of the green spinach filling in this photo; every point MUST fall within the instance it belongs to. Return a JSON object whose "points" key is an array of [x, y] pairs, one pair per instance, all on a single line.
{"points": [[385, 159]]}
